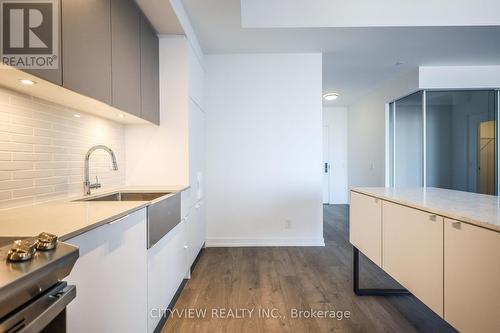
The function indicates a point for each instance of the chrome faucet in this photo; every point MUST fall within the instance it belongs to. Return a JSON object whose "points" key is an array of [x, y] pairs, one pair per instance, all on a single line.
{"points": [[87, 186]]}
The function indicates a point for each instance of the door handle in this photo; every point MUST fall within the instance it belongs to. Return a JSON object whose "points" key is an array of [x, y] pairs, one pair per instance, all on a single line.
{"points": [[326, 167], [119, 219]]}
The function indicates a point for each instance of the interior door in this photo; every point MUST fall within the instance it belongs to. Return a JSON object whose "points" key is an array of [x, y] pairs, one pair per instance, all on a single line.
{"points": [[473, 152], [486, 159], [326, 167]]}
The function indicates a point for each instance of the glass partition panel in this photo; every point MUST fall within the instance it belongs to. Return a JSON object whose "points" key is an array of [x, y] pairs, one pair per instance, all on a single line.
{"points": [[408, 163], [461, 140]]}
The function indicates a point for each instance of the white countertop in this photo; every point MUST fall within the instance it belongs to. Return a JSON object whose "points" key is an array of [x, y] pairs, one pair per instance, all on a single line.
{"points": [[67, 218], [478, 209]]}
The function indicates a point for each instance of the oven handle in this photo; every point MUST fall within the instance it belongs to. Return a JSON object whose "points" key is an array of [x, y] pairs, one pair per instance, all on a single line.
{"points": [[34, 317]]}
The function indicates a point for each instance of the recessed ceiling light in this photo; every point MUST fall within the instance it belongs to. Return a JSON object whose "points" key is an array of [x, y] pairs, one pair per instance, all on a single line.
{"points": [[76, 115], [120, 115], [331, 96], [27, 82]]}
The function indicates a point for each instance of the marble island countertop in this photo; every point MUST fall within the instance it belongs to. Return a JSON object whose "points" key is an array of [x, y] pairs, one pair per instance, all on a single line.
{"points": [[478, 209], [68, 218]]}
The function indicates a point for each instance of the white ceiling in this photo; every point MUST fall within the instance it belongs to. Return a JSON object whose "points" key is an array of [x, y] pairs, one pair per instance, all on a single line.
{"points": [[355, 59]]}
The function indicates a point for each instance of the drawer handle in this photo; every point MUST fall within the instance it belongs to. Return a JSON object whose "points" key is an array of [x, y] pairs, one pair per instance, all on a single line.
{"points": [[456, 225], [118, 220], [433, 218], [377, 200]]}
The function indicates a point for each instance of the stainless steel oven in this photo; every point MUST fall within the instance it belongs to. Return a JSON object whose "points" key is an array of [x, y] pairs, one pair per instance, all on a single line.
{"points": [[32, 296], [45, 313]]}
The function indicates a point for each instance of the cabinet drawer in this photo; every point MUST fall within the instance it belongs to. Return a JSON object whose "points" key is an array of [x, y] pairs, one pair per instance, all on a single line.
{"points": [[166, 269], [413, 252], [365, 226], [195, 231], [471, 274]]}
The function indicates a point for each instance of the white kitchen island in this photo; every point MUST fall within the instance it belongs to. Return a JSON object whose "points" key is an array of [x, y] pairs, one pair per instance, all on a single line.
{"points": [[441, 245]]}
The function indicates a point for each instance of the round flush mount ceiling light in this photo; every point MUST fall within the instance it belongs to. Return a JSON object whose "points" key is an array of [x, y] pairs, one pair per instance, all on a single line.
{"points": [[27, 82], [331, 96]]}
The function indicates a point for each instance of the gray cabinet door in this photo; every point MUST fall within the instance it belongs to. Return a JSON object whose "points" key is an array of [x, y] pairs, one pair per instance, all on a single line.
{"points": [[150, 76], [126, 56], [86, 41], [52, 75]]}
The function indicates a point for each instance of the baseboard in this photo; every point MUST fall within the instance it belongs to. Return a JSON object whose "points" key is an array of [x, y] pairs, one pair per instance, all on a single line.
{"points": [[251, 242]]}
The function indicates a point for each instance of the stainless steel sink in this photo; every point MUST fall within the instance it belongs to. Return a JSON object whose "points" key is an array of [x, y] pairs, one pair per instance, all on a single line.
{"points": [[162, 215], [127, 196]]}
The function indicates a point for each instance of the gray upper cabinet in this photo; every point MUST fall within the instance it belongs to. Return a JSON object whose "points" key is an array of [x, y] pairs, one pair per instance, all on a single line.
{"points": [[109, 52], [51, 75], [86, 36], [126, 56], [150, 80]]}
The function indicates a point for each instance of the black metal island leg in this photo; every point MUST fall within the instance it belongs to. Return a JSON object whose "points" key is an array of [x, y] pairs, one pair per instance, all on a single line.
{"points": [[370, 291]]}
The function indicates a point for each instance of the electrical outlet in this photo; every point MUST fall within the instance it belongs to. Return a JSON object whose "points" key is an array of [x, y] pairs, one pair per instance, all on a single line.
{"points": [[288, 224]]}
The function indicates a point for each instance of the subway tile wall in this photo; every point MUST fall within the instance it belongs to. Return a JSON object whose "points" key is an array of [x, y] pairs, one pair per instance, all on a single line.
{"points": [[42, 150]]}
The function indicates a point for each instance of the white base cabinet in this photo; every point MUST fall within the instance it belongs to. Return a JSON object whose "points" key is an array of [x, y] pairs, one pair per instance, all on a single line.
{"points": [[195, 229], [471, 277], [111, 278], [123, 287], [413, 252], [166, 268], [453, 267], [365, 226]]}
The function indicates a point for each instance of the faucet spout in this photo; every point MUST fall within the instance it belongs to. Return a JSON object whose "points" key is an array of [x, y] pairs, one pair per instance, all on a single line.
{"points": [[86, 184]]}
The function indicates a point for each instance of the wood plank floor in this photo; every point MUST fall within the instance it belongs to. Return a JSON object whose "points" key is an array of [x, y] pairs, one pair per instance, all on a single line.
{"points": [[286, 278]]}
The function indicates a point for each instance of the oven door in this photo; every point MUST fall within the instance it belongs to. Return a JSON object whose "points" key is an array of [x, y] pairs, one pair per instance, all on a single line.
{"points": [[44, 313]]}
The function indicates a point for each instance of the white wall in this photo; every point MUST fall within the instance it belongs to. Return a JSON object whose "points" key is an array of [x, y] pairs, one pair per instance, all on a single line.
{"points": [[366, 131], [336, 120], [264, 149]]}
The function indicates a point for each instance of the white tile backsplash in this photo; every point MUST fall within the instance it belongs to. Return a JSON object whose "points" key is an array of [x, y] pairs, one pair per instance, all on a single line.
{"points": [[42, 150]]}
